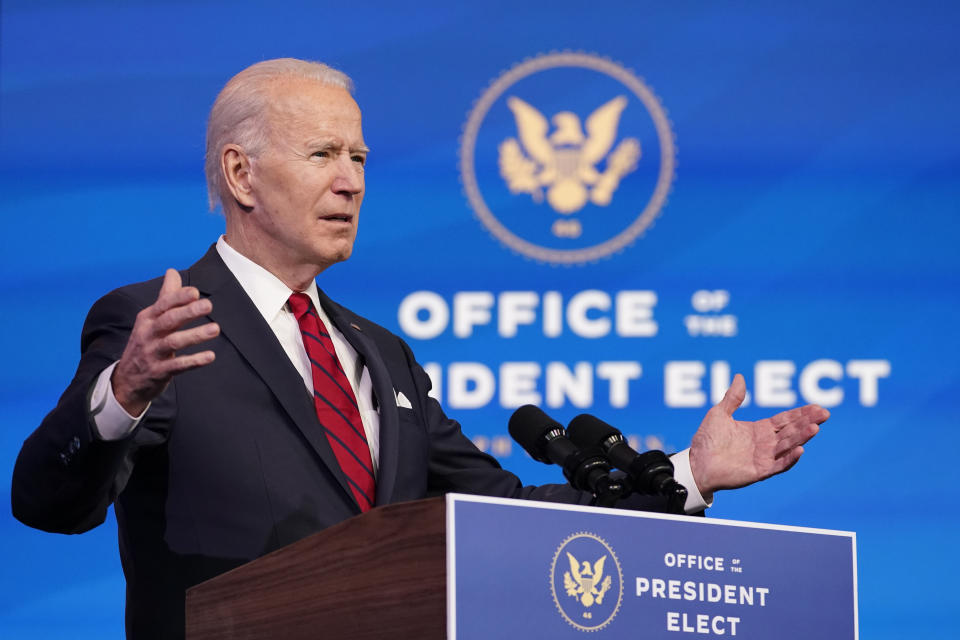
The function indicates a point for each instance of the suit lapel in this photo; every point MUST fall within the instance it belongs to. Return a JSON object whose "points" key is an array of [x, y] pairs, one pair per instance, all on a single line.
{"points": [[241, 323], [348, 325]]}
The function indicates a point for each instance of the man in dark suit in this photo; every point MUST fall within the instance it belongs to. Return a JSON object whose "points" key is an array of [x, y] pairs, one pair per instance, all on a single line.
{"points": [[232, 409]]}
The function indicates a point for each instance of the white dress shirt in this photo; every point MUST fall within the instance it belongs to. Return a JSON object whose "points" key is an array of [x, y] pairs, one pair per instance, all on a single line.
{"points": [[269, 296]]}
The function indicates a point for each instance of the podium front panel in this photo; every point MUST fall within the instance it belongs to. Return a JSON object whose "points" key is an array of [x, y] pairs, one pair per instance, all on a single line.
{"points": [[522, 569]]}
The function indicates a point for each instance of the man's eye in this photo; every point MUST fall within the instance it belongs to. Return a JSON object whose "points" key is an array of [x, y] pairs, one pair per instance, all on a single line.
{"points": [[361, 160], [321, 154]]}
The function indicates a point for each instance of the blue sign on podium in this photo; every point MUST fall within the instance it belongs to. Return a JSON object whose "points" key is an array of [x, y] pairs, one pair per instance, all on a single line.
{"points": [[522, 569]]}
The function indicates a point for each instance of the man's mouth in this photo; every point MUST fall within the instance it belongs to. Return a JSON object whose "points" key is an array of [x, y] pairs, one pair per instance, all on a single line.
{"points": [[338, 217]]}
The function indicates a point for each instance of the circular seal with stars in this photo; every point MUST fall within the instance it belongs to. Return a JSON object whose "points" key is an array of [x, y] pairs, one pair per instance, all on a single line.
{"points": [[586, 581], [567, 158]]}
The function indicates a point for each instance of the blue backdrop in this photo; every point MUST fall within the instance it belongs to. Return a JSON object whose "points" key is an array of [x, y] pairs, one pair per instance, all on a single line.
{"points": [[791, 213]]}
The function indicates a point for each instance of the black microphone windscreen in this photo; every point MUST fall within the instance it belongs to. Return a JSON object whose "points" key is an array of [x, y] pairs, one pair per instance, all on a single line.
{"points": [[528, 424], [588, 431]]}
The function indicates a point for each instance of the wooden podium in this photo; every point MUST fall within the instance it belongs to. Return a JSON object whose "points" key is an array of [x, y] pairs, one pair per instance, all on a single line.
{"points": [[473, 568], [383, 571]]}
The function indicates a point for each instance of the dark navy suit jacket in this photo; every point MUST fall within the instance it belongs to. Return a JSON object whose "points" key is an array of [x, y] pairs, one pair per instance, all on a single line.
{"points": [[230, 462]]}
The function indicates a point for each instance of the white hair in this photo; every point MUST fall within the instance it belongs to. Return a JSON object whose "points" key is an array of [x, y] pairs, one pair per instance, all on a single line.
{"points": [[238, 113]]}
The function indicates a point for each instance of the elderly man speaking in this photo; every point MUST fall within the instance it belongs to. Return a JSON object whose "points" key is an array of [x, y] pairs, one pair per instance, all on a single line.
{"points": [[232, 408]]}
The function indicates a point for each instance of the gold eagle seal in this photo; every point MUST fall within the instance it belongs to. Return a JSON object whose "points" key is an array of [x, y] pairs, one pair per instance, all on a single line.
{"points": [[569, 163], [587, 586]]}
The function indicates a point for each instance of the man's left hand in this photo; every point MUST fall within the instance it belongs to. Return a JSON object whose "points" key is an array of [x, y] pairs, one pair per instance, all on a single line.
{"points": [[727, 453]]}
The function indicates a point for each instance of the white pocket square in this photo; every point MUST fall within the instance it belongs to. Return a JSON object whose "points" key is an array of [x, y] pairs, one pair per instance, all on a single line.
{"points": [[402, 401]]}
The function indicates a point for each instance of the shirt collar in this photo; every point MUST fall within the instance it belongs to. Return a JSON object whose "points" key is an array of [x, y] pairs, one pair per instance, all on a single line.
{"points": [[268, 293]]}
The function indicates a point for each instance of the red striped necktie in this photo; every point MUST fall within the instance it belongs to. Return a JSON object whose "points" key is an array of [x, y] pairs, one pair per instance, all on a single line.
{"points": [[335, 403]]}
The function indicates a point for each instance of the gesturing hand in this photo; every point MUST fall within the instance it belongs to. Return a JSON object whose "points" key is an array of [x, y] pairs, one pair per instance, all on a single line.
{"points": [[149, 360], [727, 453]]}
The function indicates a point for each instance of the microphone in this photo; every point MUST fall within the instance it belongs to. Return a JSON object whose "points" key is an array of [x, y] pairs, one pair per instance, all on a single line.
{"points": [[650, 472], [545, 440]]}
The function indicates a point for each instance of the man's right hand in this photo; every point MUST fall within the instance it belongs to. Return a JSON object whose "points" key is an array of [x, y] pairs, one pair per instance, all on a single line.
{"points": [[150, 359]]}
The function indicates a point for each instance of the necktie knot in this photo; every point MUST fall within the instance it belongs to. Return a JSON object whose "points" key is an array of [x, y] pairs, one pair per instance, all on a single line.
{"points": [[300, 304]]}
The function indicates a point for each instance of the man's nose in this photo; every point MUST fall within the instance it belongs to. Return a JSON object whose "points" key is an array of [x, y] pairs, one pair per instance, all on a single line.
{"points": [[349, 178]]}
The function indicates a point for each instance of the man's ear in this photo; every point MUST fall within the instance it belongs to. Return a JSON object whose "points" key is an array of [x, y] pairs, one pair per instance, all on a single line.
{"points": [[235, 169]]}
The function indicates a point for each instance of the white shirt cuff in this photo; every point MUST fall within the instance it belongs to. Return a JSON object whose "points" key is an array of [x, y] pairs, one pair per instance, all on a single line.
{"points": [[684, 475], [112, 422]]}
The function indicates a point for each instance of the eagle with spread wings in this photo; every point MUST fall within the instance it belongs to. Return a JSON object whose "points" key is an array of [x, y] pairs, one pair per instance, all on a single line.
{"points": [[587, 582], [564, 162]]}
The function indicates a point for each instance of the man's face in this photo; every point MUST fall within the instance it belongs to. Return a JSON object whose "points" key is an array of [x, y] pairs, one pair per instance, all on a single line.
{"points": [[308, 182]]}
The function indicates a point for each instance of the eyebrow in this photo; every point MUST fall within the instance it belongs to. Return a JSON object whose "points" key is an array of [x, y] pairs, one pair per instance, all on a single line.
{"points": [[331, 143]]}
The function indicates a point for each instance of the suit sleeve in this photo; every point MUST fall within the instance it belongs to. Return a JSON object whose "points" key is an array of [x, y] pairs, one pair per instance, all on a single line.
{"points": [[65, 477], [456, 465]]}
